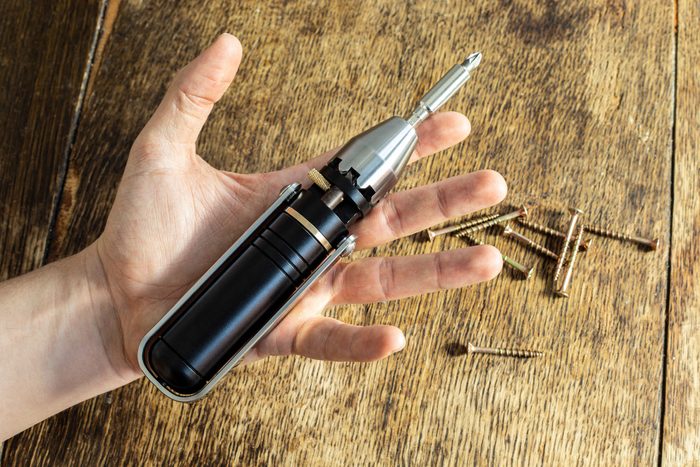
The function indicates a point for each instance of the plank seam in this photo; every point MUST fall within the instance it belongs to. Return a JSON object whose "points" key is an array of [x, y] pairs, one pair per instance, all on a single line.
{"points": [[665, 343], [73, 130]]}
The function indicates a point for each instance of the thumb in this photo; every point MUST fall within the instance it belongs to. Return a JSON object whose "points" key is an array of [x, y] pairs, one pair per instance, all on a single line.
{"points": [[194, 91]]}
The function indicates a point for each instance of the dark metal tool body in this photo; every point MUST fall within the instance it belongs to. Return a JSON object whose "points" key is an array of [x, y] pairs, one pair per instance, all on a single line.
{"points": [[294, 242]]}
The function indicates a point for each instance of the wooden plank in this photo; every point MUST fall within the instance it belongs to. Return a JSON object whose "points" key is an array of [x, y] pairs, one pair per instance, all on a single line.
{"points": [[44, 48], [573, 104], [44, 54], [681, 440]]}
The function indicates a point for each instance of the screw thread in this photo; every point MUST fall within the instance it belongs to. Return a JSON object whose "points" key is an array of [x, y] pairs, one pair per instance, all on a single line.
{"points": [[497, 220], [476, 228], [472, 240], [542, 250], [432, 233], [563, 290], [652, 244], [534, 226], [478, 220], [565, 247], [541, 228], [515, 353], [607, 232], [528, 242]]}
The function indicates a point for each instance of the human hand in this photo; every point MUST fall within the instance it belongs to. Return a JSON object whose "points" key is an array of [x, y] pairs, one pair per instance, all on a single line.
{"points": [[174, 215]]}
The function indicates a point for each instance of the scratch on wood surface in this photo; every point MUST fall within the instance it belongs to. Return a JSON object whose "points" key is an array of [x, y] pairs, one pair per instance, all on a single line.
{"points": [[72, 132], [110, 17], [680, 441], [68, 200]]}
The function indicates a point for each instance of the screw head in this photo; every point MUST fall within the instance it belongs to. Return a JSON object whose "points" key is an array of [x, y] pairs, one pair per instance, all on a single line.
{"points": [[573, 210], [561, 293], [507, 230], [524, 213], [431, 234]]}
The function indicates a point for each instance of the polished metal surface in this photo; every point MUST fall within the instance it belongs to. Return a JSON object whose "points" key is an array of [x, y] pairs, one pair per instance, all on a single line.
{"points": [[332, 198], [444, 89], [379, 155]]}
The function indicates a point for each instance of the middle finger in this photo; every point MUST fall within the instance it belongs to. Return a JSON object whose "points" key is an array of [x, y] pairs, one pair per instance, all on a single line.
{"points": [[407, 212]]}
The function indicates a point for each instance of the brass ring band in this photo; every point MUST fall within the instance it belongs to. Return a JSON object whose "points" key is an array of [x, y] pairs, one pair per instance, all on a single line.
{"points": [[309, 227]]}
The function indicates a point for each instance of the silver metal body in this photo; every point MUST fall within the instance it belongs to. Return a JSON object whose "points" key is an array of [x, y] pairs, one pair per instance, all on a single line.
{"points": [[444, 89], [380, 154]]}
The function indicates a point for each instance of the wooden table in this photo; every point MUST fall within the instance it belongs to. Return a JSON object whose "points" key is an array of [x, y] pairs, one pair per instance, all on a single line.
{"points": [[593, 104]]}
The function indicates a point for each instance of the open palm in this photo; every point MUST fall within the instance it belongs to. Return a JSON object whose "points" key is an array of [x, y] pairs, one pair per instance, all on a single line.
{"points": [[174, 215]]}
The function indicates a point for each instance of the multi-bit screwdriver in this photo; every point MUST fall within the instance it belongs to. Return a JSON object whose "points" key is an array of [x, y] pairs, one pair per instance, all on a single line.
{"points": [[295, 241]]}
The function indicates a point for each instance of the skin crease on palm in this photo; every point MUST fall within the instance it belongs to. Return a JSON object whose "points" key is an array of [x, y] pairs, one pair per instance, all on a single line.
{"points": [[174, 215]]}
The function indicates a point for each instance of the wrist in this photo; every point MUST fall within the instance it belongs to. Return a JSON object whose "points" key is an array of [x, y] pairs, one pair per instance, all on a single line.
{"points": [[59, 341], [107, 320]]}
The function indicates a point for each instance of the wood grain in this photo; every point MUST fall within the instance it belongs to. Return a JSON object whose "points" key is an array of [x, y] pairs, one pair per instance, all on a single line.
{"points": [[681, 440], [44, 52], [573, 103]]}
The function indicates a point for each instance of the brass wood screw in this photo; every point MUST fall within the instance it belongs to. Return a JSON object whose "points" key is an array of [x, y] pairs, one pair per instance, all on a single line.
{"points": [[432, 233], [516, 353], [563, 291], [517, 236], [525, 271], [585, 244], [575, 213], [652, 244], [522, 212]]}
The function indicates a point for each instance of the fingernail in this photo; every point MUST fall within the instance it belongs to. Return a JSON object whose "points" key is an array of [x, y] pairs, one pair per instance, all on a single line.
{"points": [[401, 344]]}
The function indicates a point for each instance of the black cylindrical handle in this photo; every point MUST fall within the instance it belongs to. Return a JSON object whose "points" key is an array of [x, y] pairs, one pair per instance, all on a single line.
{"points": [[243, 295]]}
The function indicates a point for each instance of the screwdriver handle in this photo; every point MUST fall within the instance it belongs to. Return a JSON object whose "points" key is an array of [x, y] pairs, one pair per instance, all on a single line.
{"points": [[242, 296]]}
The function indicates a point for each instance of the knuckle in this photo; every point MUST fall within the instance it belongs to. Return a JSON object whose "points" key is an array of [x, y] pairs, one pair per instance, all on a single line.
{"points": [[392, 217], [190, 104], [387, 278], [443, 204], [440, 273]]}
